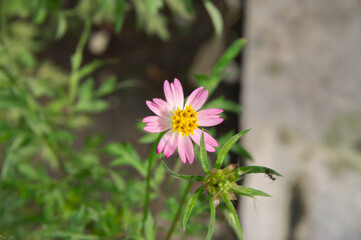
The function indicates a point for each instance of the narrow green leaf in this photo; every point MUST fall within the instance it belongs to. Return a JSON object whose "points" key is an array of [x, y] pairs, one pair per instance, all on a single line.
{"points": [[151, 157], [158, 175], [254, 169], [237, 148], [85, 92], [91, 106], [190, 205], [118, 181], [185, 177], [69, 235], [212, 219], [128, 83], [53, 5], [211, 82], [241, 151], [77, 57], [62, 26], [179, 8], [29, 171], [148, 138], [233, 216], [240, 190], [40, 12], [9, 160], [140, 125], [226, 105], [76, 60], [203, 156], [119, 15], [107, 87], [227, 146], [230, 54], [202, 80], [89, 68], [149, 228], [77, 220], [8, 101], [215, 16], [126, 155]]}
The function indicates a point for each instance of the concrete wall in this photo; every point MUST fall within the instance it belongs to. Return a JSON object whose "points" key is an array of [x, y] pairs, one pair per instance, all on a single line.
{"points": [[302, 98]]}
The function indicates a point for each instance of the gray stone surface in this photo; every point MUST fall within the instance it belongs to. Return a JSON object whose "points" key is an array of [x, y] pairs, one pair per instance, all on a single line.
{"points": [[302, 97]]}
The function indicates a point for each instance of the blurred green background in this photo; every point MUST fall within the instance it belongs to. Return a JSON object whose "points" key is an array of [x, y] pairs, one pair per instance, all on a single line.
{"points": [[74, 77]]}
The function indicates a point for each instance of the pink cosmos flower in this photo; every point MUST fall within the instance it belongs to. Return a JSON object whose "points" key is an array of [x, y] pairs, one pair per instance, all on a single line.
{"points": [[181, 121]]}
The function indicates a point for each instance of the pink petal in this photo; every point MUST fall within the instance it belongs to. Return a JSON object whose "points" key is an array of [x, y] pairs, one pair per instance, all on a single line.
{"points": [[179, 93], [209, 141], [197, 98], [163, 141], [210, 111], [156, 124], [168, 93], [210, 122], [164, 107], [193, 95], [209, 117], [171, 144], [189, 150], [160, 110], [185, 149], [174, 93], [155, 129]]}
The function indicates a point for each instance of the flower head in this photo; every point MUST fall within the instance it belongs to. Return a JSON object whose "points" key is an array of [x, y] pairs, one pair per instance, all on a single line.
{"points": [[222, 181], [181, 121]]}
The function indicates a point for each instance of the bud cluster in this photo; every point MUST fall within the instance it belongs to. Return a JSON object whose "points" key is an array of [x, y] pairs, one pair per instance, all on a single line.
{"points": [[222, 181]]}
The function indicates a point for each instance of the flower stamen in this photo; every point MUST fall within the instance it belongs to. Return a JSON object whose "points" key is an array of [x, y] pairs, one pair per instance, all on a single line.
{"points": [[185, 121]]}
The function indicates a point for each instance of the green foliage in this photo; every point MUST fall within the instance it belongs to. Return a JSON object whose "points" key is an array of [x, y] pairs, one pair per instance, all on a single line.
{"points": [[254, 169], [184, 177], [227, 146], [215, 16], [125, 154], [233, 218], [226, 105], [211, 82], [240, 190], [190, 205], [212, 220], [149, 14], [236, 149], [149, 229], [203, 156], [48, 188], [221, 184], [55, 185]]}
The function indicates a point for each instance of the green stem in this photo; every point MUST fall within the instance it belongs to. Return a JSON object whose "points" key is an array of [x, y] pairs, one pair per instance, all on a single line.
{"points": [[3, 20], [176, 218], [177, 167], [149, 171], [76, 60]]}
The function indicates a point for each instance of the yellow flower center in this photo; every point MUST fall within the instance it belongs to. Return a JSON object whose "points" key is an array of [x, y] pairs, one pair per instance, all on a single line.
{"points": [[185, 121]]}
